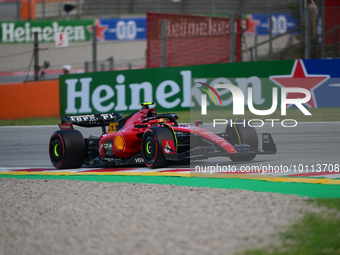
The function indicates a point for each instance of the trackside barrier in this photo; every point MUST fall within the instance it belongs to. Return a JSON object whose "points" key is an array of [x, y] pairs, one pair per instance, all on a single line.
{"points": [[29, 100], [170, 87]]}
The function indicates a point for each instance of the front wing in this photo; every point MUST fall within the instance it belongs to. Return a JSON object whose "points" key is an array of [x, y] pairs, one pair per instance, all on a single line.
{"points": [[214, 150]]}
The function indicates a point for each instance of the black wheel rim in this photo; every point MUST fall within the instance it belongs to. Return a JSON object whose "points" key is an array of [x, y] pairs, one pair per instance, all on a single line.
{"points": [[149, 149], [56, 151]]}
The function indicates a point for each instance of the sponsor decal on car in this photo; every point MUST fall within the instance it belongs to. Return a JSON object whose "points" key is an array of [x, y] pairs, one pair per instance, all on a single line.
{"points": [[139, 160], [108, 146], [120, 142], [113, 127]]}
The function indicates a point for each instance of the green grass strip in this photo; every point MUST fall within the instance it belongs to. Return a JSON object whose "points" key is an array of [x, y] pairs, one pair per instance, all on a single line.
{"points": [[315, 234], [328, 203], [301, 189]]}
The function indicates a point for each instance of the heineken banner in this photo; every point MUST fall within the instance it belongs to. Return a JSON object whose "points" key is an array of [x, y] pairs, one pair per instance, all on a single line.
{"points": [[169, 88], [22, 31], [77, 30]]}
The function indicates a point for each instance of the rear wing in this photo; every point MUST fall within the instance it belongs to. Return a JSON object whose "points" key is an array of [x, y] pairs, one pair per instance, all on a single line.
{"points": [[92, 120]]}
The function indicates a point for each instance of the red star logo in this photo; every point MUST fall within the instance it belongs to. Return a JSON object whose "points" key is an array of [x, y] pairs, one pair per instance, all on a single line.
{"points": [[100, 30], [300, 79], [252, 24]]}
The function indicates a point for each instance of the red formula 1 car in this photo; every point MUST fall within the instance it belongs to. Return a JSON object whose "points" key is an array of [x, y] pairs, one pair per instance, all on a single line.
{"points": [[151, 139]]}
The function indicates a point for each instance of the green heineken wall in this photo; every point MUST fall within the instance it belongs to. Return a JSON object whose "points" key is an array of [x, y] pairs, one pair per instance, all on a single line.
{"points": [[22, 31], [169, 88]]}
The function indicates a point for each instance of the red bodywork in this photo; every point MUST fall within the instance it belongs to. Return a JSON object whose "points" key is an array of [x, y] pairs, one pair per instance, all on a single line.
{"points": [[151, 139], [131, 137]]}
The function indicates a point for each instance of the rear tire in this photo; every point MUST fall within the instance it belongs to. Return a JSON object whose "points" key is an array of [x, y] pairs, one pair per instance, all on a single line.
{"points": [[247, 135], [152, 148], [67, 149]]}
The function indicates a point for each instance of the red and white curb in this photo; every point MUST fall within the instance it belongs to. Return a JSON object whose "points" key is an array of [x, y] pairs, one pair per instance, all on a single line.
{"points": [[42, 170]]}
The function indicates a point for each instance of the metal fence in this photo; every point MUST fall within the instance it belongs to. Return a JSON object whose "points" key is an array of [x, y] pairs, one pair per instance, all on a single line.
{"points": [[177, 40], [43, 9], [116, 8], [316, 35], [39, 9]]}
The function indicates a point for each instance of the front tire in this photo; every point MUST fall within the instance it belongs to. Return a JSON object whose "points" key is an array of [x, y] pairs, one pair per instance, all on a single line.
{"points": [[244, 134], [67, 149]]}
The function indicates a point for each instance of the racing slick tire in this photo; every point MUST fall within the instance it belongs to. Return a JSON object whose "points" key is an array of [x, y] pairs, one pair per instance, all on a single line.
{"points": [[67, 149], [152, 148], [247, 135]]}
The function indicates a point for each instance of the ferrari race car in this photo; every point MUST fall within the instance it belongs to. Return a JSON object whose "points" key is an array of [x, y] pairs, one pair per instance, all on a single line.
{"points": [[151, 139]]}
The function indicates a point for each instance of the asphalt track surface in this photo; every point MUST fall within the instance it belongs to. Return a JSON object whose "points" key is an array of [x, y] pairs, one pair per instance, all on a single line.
{"points": [[131, 216], [307, 144]]}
